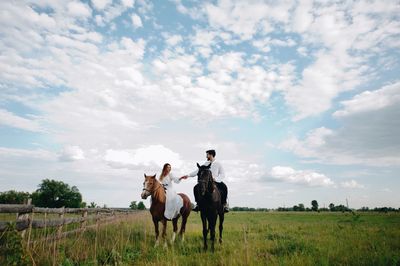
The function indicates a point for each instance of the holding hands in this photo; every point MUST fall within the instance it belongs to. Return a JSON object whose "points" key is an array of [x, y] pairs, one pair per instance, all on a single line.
{"points": [[183, 177]]}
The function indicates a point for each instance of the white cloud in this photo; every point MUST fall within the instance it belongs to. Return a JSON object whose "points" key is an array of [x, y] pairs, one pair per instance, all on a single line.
{"points": [[314, 140], [302, 51], [265, 44], [351, 184], [193, 12], [9, 119], [368, 101], [230, 62], [344, 48], [244, 19], [173, 40], [240, 19], [99, 20], [101, 4], [128, 3], [203, 40], [136, 21], [302, 177], [71, 153], [152, 157], [302, 18], [368, 134], [321, 82], [25, 153], [78, 9]]}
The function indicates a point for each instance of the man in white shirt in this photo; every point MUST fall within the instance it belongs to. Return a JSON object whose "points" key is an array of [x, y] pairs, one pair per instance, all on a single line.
{"points": [[218, 174]]}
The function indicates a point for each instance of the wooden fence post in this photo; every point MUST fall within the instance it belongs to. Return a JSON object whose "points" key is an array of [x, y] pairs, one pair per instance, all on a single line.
{"points": [[24, 216], [83, 223], [60, 227], [97, 231], [30, 228]]}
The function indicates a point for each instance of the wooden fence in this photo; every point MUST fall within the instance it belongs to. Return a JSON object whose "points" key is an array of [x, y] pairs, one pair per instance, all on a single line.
{"points": [[88, 217]]}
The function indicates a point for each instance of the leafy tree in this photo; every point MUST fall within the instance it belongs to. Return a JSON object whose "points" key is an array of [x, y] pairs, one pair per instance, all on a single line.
{"points": [[301, 207], [133, 205], [331, 206], [141, 206], [13, 197], [56, 194], [314, 205], [92, 205]]}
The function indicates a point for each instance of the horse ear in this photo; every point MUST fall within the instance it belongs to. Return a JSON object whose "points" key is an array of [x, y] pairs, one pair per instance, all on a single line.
{"points": [[198, 165], [209, 166], [144, 175], [154, 176]]}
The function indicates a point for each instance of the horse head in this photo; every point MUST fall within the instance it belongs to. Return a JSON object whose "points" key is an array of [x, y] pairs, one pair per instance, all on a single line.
{"points": [[204, 178], [148, 185]]}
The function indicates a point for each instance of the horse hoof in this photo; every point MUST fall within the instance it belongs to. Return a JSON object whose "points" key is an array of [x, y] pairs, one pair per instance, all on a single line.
{"points": [[220, 240]]}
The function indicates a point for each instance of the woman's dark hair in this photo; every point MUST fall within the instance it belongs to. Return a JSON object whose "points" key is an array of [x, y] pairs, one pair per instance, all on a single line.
{"points": [[211, 152], [164, 171]]}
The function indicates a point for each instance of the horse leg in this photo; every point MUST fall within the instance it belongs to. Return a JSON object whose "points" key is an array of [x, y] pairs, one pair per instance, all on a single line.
{"points": [[156, 231], [205, 230], [164, 231], [175, 224], [221, 225], [183, 227], [212, 221]]}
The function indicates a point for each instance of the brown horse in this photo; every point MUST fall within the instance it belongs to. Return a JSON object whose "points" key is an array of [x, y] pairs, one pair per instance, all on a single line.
{"points": [[151, 186]]}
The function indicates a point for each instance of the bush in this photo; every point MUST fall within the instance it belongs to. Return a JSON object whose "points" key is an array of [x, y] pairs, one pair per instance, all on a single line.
{"points": [[14, 197]]}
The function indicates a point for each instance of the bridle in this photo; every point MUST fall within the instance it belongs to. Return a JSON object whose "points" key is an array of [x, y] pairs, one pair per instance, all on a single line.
{"points": [[154, 189], [205, 180]]}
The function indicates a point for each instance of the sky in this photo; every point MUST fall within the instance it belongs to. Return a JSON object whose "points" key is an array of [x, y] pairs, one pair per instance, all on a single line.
{"points": [[300, 99]]}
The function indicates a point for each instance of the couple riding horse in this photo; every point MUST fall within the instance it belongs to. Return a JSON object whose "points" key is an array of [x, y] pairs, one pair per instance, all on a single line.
{"points": [[217, 173], [168, 205]]}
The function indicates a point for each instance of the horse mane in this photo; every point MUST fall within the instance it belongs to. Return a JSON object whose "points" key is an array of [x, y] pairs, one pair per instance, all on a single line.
{"points": [[211, 183], [159, 193]]}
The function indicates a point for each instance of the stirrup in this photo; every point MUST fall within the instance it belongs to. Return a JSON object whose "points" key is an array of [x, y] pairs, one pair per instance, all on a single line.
{"points": [[226, 208], [196, 208]]}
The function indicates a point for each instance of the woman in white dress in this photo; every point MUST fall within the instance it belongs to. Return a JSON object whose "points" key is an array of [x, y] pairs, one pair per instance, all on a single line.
{"points": [[173, 202]]}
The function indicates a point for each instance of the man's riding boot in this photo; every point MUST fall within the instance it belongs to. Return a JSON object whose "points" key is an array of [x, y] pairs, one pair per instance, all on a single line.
{"points": [[196, 208], [226, 207]]}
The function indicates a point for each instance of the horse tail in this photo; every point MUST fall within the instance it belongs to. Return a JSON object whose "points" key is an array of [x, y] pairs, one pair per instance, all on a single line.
{"points": [[187, 205]]}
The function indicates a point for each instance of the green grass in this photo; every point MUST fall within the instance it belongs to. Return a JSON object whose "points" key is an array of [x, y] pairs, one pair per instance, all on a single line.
{"points": [[254, 238]]}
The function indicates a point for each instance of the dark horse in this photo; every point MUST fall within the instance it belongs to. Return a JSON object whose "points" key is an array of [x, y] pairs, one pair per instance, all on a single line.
{"points": [[209, 201], [151, 186]]}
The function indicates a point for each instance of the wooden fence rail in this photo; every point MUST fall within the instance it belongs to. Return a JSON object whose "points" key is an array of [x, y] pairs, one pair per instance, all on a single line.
{"points": [[25, 214]]}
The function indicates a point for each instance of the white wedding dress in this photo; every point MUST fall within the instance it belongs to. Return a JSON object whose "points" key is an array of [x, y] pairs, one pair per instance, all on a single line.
{"points": [[174, 202]]}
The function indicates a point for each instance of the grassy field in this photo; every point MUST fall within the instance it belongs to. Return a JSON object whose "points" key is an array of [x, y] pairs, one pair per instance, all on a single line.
{"points": [[254, 238]]}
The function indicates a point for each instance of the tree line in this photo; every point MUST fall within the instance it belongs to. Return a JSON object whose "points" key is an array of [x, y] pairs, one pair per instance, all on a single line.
{"points": [[54, 194], [315, 208]]}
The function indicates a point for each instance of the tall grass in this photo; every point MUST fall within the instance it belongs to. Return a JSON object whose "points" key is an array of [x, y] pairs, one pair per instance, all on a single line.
{"points": [[249, 239]]}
